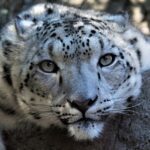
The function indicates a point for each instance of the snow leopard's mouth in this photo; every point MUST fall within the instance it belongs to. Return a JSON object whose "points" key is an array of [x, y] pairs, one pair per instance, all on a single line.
{"points": [[84, 121]]}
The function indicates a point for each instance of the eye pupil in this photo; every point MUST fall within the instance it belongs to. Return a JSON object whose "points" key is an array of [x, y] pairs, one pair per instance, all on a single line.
{"points": [[106, 58], [49, 64]]}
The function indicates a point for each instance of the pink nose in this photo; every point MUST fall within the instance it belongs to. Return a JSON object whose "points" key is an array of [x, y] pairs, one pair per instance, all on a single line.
{"points": [[83, 105]]}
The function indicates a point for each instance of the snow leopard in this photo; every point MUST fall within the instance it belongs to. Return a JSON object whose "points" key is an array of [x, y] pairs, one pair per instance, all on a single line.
{"points": [[70, 68]]}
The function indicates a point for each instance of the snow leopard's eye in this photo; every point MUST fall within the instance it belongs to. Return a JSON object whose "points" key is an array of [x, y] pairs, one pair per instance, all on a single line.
{"points": [[107, 59], [48, 66]]}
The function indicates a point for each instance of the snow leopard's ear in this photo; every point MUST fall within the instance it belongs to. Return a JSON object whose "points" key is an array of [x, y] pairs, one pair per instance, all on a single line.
{"points": [[117, 22], [25, 26]]}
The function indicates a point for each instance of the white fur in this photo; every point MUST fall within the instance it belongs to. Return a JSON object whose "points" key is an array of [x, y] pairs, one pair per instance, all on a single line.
{"points": [[81, 132]]}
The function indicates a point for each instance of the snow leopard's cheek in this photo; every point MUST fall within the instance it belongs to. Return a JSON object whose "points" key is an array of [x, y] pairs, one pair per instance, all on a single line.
{"points": [[42, 84], [121, 81], [114, 76], [36, 95], [37, 87]]}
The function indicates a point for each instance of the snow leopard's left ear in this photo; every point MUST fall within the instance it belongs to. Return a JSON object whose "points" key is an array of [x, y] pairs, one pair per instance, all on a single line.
{"points": [[117, 22], [25, 25]]}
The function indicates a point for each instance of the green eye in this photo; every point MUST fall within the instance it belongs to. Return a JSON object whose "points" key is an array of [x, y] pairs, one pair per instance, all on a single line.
{"points": [[48, 66], [107, 60]]}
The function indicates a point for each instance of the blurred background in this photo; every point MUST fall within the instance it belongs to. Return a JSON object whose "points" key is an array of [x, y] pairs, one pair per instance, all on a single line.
{"points": [[129, 132], [139, 10]]}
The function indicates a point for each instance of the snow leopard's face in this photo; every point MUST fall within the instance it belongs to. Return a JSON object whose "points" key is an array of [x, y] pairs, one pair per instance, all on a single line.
{"points": [[74, 74]]}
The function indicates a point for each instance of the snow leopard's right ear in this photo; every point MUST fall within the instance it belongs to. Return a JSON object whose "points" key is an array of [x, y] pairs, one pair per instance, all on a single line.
{"points": [[25, 25]]}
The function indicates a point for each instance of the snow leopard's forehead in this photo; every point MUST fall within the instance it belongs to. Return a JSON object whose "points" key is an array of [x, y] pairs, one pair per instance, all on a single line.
{"points": [[70, 39], [70, 32]]}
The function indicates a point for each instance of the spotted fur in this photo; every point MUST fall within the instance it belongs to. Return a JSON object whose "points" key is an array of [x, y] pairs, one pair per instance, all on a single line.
{"points": [[79, 93]]}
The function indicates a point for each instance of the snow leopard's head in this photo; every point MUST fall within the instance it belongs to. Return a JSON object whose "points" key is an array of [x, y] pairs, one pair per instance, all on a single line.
{"points": [[71, 69]]}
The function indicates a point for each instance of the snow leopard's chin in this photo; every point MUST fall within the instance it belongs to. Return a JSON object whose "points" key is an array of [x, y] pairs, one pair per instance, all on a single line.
{"points": [[86, 130]]}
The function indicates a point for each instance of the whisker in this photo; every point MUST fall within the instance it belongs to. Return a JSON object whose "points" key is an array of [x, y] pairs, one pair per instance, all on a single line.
{"points": [[118, 98], [136, 105], [104, 114], [123, 110], [122, 113], [116, 112], [32, 104], [44, 111], [46, 105]]}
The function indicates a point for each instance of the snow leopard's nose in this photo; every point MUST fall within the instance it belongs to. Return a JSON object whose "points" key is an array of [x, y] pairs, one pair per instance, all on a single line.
{"points": [[83, 105]]}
